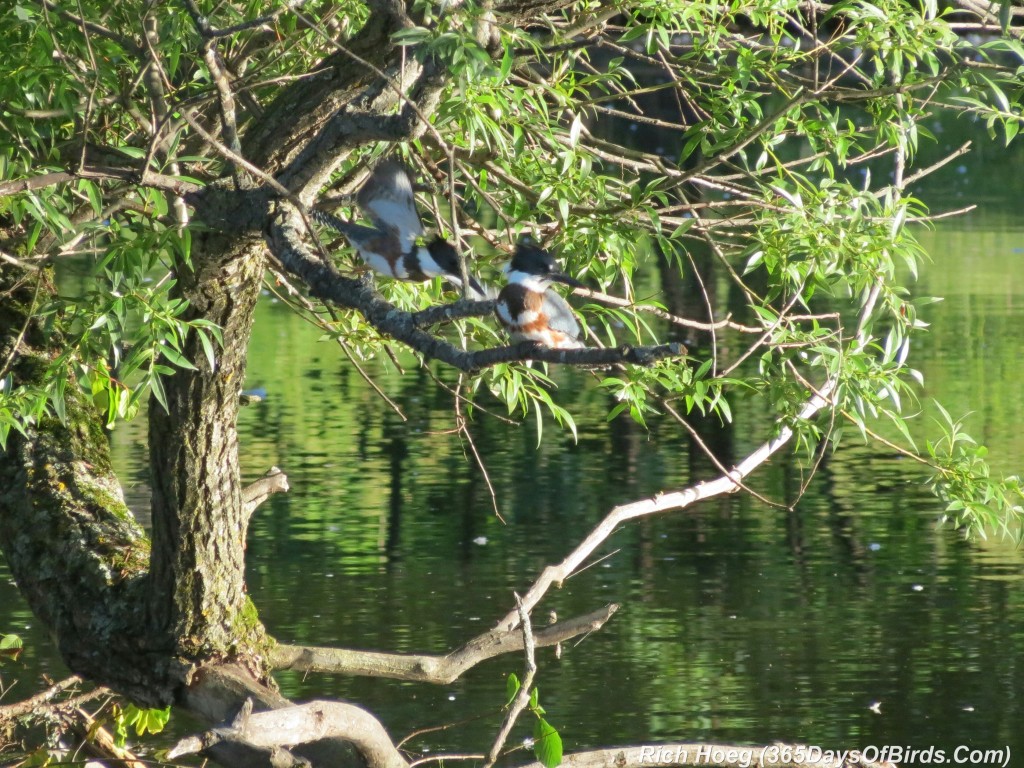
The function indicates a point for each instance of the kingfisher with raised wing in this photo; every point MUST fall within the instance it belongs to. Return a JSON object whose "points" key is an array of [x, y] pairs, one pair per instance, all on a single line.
{"points": [[391, 247], [529, 309]]}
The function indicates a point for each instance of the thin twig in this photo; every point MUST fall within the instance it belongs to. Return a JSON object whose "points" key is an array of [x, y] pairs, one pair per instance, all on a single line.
{"points": [[615, 301], [523, 696], [463, 426]]}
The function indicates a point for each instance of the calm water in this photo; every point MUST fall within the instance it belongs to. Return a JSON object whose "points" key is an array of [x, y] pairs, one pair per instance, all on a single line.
{"points": [[853, 621]]}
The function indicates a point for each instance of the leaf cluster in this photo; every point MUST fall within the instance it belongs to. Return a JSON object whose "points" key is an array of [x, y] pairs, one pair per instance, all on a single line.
{"points": [[753, 153]]}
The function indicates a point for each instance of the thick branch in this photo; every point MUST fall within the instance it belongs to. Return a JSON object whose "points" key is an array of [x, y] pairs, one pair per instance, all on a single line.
{"points": [[73, 546], [325, 283], [197, 583], [432, 669]]}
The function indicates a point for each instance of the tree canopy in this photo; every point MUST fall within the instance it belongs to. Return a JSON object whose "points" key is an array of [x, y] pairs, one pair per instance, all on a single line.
{"points": [[733, 182]]}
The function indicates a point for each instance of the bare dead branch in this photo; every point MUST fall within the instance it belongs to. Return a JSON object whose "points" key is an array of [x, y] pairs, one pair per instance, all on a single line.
{"points": [[615, 301], [42, 699], [432, 669], [663, 502], [102, 742]]}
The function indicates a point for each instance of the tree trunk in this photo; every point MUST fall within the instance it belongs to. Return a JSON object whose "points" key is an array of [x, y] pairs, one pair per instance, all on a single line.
{"points": [[197, 590]]}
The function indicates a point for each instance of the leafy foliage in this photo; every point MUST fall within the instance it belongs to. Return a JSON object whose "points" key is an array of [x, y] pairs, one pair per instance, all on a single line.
{"points": [[142, 721], [752, 157]]}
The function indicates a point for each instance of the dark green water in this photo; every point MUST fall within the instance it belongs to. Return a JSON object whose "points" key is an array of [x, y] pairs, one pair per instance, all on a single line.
{"points": [[853, 621]]}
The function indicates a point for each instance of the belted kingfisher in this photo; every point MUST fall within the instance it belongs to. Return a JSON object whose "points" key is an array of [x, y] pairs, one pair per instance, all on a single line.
{"points": [[390, 246], [529, 309]]}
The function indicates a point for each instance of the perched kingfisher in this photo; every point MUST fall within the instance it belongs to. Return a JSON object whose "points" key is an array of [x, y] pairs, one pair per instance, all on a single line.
{"points": [[390, 246], [529, 309]]}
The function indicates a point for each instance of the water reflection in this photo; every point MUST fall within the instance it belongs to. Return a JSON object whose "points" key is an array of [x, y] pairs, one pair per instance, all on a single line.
{"points": [[849, 620]]}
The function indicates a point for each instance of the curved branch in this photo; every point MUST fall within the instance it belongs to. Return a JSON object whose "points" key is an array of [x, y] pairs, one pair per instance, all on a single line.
{"points": [[432, 669], [324, 282]]}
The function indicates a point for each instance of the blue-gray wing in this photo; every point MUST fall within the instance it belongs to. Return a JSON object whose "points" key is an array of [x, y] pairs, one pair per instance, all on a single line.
{"points": [[387, 200], [560, 315]]}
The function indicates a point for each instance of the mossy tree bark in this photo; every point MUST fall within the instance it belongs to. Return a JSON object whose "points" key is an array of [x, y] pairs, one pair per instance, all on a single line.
{"points": [[74, 548], [197, 595]]}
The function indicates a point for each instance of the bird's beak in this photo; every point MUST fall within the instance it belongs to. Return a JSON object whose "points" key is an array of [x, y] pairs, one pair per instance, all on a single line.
{"points": [[561, 277]]}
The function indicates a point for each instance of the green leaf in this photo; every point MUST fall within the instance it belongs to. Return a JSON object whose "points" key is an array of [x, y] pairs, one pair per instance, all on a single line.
{"points": [[574, 130], [512, 687], [411, 36], [176, 358], [547, 744], [10, 647], [157, 388], [211, 357], [148, 720], [506, 63]]}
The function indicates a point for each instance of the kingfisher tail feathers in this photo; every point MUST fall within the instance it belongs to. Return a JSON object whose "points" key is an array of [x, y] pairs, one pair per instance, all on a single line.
{"points": [[482, 292], [477, 291]]}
